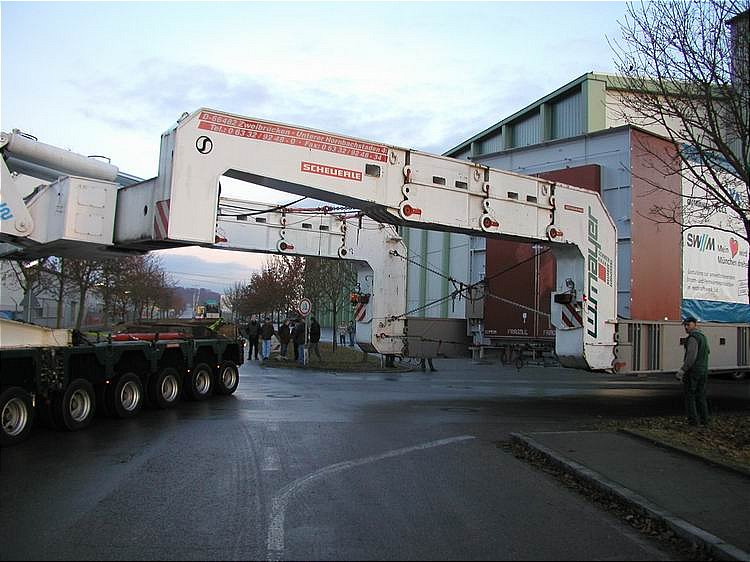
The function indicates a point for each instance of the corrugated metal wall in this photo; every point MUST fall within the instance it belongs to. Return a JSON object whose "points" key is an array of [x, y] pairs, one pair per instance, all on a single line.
{"points": [[567, 116], [527, 131], [491, 144], [344, 313], [443, 252]]}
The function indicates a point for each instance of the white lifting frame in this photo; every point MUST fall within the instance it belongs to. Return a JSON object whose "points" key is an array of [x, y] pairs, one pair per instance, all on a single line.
{"points": [[390, 184], [399, 186], [370, 245]]}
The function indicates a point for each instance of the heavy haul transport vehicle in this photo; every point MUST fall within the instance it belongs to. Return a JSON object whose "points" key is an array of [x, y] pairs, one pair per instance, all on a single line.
{"points": [[67, 377], [56, 202]]}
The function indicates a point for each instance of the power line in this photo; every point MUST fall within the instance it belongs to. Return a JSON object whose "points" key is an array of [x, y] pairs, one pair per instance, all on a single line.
{"points": [[260, 211]]}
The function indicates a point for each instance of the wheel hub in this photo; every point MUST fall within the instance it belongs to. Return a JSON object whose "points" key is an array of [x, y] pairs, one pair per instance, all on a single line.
{"points": [[169, 388], [229, 377], [79, 405], [130, 396], [15, 416], [202, 382]]}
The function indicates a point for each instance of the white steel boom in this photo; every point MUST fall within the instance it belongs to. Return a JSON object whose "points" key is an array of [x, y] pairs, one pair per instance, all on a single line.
{"points": [[392, 185]]}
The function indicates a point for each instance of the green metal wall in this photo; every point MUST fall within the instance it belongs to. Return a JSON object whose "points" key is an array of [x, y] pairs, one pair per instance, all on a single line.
{"points": [[576, 108]]}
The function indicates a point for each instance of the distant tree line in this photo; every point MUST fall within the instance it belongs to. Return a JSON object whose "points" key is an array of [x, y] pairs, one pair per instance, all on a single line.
{"points": [[133, 287]]}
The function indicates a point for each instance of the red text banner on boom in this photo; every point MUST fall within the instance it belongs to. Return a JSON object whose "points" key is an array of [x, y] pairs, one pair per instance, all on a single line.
{"points": [[268, 132]]}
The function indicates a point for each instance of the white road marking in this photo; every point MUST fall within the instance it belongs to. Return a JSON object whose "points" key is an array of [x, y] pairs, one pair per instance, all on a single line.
{"points": [[271, 460], [280, 502]]}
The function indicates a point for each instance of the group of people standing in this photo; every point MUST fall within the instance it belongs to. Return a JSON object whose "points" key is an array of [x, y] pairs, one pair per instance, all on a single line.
{"points": [[290, 331], [347, 329]]}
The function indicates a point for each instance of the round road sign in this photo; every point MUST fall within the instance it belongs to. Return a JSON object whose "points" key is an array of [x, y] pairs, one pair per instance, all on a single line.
{"points": [[305, 306]]}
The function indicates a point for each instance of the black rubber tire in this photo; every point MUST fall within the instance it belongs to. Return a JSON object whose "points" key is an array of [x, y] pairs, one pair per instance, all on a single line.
{"points": [[227, 378], [199, 382], [102, 404], [16, 416], [125, 396], [75, 408], [164, 388]]}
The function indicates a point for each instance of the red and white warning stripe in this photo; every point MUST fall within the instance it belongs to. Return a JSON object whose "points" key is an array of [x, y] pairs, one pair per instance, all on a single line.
{"points": [[161, 220], [359, 312], [570, 316]]}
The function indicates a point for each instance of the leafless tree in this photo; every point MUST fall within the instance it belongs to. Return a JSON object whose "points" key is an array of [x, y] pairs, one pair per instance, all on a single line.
{"points": [[59, 286], [327, 282], [276, 289], [31, 278], [136, 287], [684, 74], [113, 290], [147, 286], [290, 272], [84, 275], [235, 297]]}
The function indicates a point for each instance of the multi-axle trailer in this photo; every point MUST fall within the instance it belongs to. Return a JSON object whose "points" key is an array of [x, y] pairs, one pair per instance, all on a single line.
{"points": [[66, 377]]}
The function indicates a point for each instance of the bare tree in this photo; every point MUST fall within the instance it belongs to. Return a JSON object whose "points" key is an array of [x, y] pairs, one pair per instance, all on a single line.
{"points": [[147, 286], [31, 278], [235, 297], [137, 287], [58, 285], [290, 272], [84, 276], [112, 288], [276, 289], [327, 282], [684, 74]]}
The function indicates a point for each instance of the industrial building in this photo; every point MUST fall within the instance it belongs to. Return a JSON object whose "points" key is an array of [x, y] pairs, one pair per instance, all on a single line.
{"points": [[579, 135]]}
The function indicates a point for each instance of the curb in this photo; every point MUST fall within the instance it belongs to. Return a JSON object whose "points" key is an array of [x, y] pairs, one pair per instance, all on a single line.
{"points": [[677, 449], [713, 544]]}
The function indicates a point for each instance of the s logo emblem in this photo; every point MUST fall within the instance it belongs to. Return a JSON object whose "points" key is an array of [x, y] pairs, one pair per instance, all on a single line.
{"points": [[204, 145]]}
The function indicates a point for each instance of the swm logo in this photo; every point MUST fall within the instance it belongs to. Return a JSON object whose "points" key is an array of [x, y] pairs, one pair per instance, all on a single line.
{"points": [[5, 212], [701, 241]]}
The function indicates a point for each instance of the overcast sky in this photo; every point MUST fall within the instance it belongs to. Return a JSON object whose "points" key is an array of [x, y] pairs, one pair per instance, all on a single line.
{"points": [[109, 78]]}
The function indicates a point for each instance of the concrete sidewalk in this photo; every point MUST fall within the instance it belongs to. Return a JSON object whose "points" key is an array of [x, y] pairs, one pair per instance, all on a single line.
{"points": [[707, 504]]}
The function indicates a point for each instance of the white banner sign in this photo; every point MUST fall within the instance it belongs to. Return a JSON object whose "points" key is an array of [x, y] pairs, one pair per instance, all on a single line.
{"points": [[714, 266]]}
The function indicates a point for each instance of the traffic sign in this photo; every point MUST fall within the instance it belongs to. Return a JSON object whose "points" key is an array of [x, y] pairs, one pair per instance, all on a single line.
{"points": [[305, 306]]}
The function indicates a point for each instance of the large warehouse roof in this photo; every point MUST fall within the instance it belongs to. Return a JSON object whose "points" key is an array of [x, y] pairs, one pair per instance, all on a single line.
{"points": [[576, 108]]}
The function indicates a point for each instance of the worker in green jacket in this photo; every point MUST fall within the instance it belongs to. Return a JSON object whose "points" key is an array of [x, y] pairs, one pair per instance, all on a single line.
{"points": [[694, 372]]}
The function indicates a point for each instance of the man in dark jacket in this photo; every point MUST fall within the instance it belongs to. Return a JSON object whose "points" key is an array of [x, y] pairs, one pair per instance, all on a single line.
{"points": [[253, 332], [284, 337], [293, 334], [694, 373], [315, 337], [299, 341], [266, 333]]}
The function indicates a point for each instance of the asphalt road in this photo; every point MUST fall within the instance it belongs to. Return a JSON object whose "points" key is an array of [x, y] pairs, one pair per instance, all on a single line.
{"points": [[308, 465]]}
